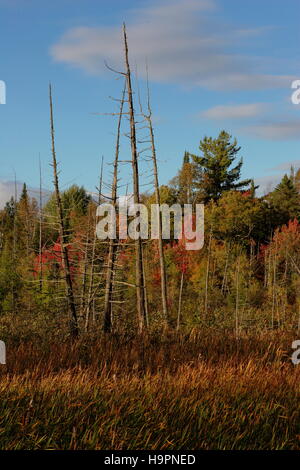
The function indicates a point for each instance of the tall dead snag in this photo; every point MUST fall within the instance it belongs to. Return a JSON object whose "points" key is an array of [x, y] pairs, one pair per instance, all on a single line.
{"points": [[113, 244], [85, 269], [63, 238], [140, 293], [207, 275], [90, 298], [14, 253], [100, 182], [180, 301], [40, 231], [237, 299], [162, 263], [224, 281]]}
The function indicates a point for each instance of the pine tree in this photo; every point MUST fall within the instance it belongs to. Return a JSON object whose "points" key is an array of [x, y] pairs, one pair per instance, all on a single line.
{"points": [[24, 195], [185, 181], [217, 176], [285, 201], [297, 180]]}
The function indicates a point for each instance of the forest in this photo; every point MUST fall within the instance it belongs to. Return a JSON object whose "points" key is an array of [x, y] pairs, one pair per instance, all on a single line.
{"points": [[143, 344]]}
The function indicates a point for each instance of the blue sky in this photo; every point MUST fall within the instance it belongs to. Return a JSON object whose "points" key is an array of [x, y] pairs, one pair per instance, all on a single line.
{"points": [[213, 64]]}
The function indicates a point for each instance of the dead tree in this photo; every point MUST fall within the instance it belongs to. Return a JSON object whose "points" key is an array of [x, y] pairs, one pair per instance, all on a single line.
{"points": [[14, 253], [113, 244], [224, 281], [85, 268], [140, 293], [40, 230], [90, 298], [237, 299], [63, 238], [180, 300], [163, 276], [207, 275]]}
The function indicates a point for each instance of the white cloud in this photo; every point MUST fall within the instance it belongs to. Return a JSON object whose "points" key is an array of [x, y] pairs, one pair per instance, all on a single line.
{"points": [[286, 166], [286, 130], [269, 182], [247, 81], [183, 43], [7, 191], [235, 112]]}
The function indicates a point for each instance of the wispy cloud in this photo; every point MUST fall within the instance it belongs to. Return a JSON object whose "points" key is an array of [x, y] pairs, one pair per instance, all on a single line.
{"points": [[246, 81], [184, 42], [8, 189], [235, 112], [267, 183], [286, 166], [285, 130]]}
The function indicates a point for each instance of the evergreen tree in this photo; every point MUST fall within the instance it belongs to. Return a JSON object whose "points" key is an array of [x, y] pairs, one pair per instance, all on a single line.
{"points": [[297, 180], [75, 202], [26, 220], [285, 201], [217, 176], [185, 181], [253, 188], [9, 213], [24, 195]]}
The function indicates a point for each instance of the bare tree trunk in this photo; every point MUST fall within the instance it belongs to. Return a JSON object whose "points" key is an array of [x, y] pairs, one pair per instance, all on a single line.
{"points": [[91, 300], [14, 253], [113, 244], [63, 239], [274, 286], [237, 300], [180, 301], [100, 182], [207, 275], [141, 310], [40, 230], [163, 276], [145, 290], [265, 269], [85, 268], [224, 281]]}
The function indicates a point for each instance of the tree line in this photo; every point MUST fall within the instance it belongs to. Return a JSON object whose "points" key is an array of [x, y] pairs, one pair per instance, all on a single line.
{"points": [[246, 276]]}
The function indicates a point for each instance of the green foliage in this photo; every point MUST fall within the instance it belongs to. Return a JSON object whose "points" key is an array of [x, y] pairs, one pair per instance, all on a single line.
{"points": [[75, 202], [285, 202], [238, 217], [185, 182], [217, 176]]}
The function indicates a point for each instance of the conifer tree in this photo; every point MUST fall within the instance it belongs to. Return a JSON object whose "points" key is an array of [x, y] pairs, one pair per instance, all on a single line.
{"points": [[185, 181], [285, 201], [215, 163]]}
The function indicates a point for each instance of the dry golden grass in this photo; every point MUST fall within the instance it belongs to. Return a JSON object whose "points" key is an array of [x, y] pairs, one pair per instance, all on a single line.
{"points": [[200, 391]]}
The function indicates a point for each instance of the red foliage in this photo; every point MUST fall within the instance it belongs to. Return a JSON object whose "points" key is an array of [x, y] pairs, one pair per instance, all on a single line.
{"points": [[53, 257], [286, 237], [181, 256]]}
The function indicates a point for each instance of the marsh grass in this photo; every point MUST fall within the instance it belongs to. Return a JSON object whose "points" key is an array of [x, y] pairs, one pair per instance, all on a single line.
{"points": [[204, 390]]}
